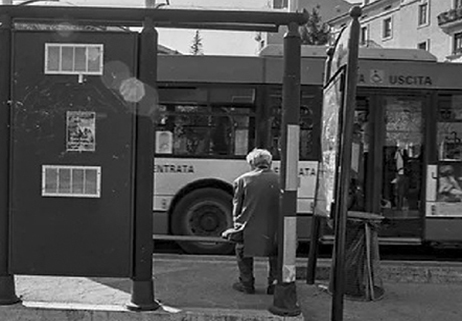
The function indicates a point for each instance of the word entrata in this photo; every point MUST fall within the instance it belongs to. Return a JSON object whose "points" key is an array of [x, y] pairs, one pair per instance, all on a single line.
{"points": [[169, 168], [307, 171]]}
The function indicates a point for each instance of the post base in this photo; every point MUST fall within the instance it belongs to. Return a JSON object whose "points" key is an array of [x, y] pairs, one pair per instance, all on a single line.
{"points": [[7, 290], [142, 298], [285, 300]]}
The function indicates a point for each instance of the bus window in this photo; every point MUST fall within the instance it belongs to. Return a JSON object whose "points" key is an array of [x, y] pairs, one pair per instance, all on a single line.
{"points": [[209, 128], [309, 125], [449, 142], [449, 129]]}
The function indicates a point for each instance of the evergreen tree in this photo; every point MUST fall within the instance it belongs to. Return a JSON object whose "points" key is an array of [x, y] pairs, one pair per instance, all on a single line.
{"points": [[314, 32], [196, 47]]}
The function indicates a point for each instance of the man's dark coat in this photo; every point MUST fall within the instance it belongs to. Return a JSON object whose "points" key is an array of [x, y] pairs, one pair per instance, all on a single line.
{"points": [[256, 208]]}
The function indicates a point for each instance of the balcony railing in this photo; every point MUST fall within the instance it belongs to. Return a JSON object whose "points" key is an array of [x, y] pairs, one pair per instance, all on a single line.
{"points": [[447, 17]]}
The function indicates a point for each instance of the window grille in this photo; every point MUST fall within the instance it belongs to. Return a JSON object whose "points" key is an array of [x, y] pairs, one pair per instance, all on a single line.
{"points": [[71, 181], [73, 59]]}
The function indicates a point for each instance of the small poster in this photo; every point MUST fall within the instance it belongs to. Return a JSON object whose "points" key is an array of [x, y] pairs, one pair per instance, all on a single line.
{"points": [[164, 142], [80, 131]]}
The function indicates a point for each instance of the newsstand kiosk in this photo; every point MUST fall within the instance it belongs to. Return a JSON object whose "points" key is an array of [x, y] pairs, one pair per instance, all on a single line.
{"points": [[80, 153]]}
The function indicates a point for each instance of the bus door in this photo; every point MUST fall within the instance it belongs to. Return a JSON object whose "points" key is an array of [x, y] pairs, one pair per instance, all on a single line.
{"points": [[390, 129]]}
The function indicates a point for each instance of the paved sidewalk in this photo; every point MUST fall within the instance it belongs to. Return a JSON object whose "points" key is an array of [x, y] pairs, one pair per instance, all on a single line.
{"points": [[199, 288]]}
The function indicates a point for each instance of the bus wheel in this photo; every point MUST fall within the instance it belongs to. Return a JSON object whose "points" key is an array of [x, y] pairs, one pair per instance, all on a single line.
{"points": [[203, 212]]}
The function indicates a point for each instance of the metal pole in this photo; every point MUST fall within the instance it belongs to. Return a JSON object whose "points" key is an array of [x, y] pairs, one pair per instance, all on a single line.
{"points": [[142, 294], [7, 289], [316, 220], [345, 165], [314, 247], [285, 295]]}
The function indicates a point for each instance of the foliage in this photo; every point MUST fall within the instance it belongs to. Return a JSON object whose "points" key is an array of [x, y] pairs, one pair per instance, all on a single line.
{"points": [[196, 47], [315, 31]]}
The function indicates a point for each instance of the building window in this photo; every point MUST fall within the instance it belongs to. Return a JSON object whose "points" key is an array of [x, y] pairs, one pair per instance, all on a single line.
{"points": [[423, 14], [387, 28], [458, 43], [363, 36], [423, 45]]}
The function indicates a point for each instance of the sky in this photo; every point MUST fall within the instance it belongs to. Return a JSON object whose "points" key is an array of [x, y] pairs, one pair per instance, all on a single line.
{"points": [[214, 42]]}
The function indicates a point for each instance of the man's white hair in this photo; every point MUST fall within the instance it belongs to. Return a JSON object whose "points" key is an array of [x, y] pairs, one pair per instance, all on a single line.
{"points": [[259, 157]]}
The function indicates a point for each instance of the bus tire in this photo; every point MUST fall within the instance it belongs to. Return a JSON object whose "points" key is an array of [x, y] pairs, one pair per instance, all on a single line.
{"points": [[203, 212]]}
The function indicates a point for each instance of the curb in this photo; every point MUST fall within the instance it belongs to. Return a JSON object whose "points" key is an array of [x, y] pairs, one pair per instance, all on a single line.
{"points": [[83, 312], [400, 272]]}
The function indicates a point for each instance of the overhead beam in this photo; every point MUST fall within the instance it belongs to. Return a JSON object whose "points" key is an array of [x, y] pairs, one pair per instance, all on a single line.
{"points": [[171, 18]]}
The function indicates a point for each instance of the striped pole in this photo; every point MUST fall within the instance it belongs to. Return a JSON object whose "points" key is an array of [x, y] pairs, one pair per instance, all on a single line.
{"points": [[285, 295]]}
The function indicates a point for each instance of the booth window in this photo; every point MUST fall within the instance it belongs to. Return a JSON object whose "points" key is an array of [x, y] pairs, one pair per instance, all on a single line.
{"points": [[73, 59], [71, 181]]}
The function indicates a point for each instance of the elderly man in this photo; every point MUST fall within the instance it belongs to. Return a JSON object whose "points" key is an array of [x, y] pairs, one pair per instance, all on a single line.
{"points": [[255, 213]]}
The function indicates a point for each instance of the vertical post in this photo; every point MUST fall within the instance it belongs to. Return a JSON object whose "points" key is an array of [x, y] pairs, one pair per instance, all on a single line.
{"points": [[7, 289], [314, 247], [316, 220], [285, 296], [142, 293], [345, 165]]}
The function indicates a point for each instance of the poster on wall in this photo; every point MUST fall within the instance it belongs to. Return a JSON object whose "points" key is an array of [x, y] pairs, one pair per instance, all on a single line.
{"points": [[449, 190], [330, 134], [81, 130]]}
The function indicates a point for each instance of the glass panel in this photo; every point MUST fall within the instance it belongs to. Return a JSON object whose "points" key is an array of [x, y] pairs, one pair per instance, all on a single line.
{"points": [[205, 130], [95, 58], [51, 181], [67, 58], [449, 143], [80, 59], [53, 58], [64, 181], [402, 162], [91, 182], [309, 125], [77, 181]]}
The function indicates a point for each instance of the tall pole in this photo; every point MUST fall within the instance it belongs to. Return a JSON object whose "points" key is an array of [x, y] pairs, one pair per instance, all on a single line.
{"points": [[7, 289], [142, 294], [285, 295], [345, 165]]}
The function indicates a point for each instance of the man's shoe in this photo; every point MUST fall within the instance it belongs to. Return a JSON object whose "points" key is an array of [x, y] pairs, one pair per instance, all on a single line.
{"points": [[270, 289], [238, 286]]}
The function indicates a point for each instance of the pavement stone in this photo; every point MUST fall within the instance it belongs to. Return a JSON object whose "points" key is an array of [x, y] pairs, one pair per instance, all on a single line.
{"points": [[199, 289]]}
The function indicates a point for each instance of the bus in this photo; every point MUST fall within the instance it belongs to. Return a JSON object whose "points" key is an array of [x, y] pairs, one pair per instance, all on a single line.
{"points": [[214, 109]]}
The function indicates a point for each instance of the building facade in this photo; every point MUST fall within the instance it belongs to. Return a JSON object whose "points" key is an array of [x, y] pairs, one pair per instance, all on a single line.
{"points": [[432, 25], [327, 9]]}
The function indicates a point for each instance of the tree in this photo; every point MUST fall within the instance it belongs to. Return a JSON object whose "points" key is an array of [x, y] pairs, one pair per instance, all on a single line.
{"points": [[196, 47], [314, 32]]}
